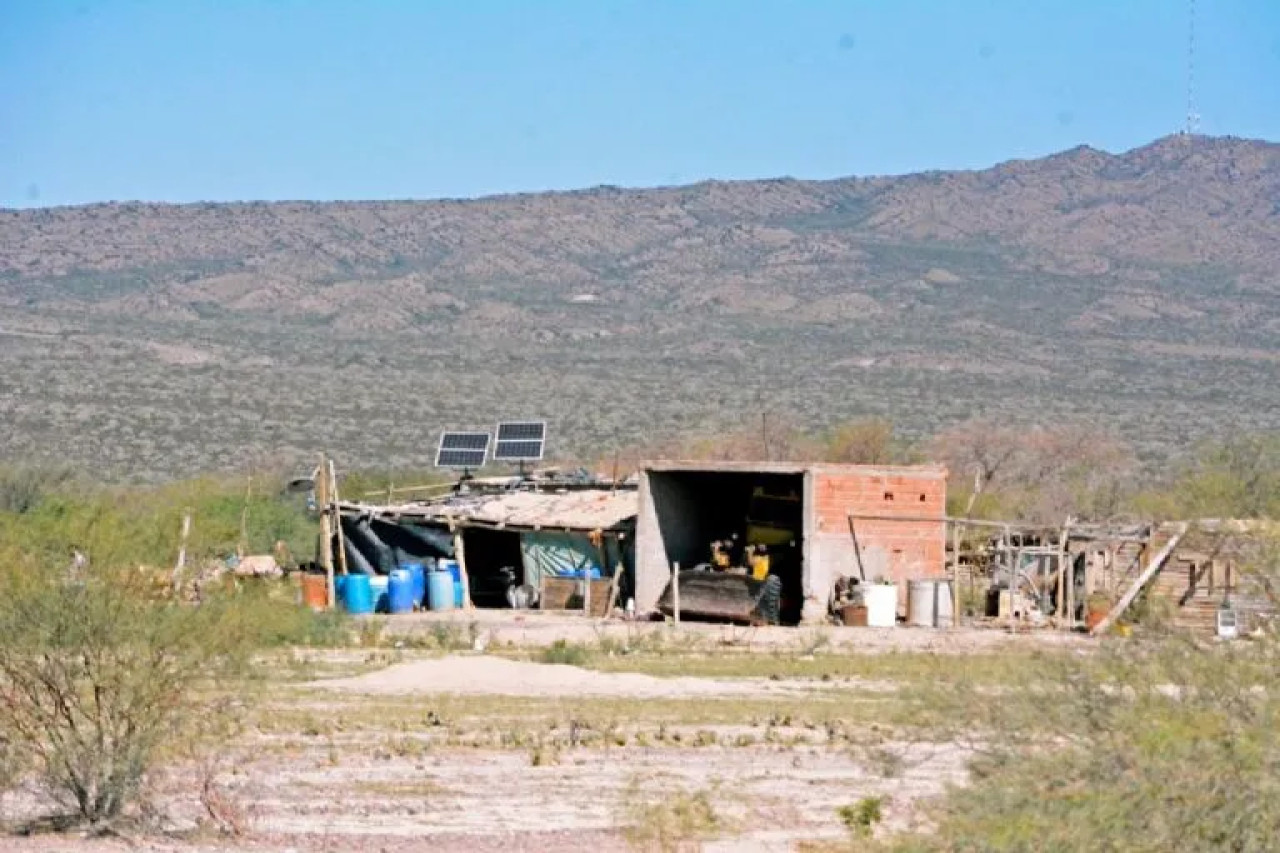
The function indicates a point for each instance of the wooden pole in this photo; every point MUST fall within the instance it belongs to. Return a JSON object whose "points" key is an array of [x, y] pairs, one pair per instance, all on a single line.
{"points": [[242, 547], [326, 531], [613, 589], [675, 592], [1154, 566], [460, 554], [1071, 589], [1064, 555], [857, 550], [337, 519], [955, 575], [182, 551]]}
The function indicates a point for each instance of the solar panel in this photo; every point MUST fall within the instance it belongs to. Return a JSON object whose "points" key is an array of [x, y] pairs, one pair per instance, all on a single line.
{"points": [[462, 450], [520, 441]]}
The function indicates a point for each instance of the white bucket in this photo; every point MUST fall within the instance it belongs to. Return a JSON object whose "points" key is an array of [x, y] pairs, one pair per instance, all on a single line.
{"points": [[882, 605]]}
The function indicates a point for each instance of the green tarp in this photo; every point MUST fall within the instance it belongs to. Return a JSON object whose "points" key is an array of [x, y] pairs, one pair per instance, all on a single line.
{"points": [[553, 553]]}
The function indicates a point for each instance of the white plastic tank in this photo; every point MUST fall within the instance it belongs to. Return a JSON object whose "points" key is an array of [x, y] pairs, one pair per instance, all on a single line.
{"points": [[922, 603], [882, 605], [929, 604], [945, 609]]}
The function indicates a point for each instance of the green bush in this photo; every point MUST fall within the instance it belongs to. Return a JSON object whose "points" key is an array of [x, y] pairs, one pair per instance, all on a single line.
{"points": [[1145, 746], [564, 652]]}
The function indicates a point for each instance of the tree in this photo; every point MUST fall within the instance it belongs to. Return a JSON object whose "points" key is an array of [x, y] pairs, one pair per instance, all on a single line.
{"points": [[865, 442], [1238, 477], [1038, 473]]}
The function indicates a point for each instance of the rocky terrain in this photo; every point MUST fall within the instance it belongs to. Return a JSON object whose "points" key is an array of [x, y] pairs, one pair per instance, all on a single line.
{"points": [[1140, 291]]}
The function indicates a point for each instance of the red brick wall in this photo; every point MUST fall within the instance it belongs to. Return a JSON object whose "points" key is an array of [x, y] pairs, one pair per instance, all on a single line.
{"points": [[908, 549]]}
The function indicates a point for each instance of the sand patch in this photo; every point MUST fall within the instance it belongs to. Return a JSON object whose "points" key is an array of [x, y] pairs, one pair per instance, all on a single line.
{"points": [[494, 676]]}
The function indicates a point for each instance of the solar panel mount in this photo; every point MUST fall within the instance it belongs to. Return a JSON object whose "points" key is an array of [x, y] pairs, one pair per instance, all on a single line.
{"points": [[465, 450], [520, 441]]}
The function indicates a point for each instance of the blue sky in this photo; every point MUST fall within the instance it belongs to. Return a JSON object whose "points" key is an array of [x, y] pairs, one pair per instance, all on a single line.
{"points": [[177, 100]]}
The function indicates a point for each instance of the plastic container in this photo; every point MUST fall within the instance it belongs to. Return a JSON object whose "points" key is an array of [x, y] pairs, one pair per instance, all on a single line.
{"points": [[379, 584], [419, 575], [441, 590], [357, 594], [400, 591], [946, 611], [881, 600], [339, 588], [315, 591], [455, 571], [929, 604]]}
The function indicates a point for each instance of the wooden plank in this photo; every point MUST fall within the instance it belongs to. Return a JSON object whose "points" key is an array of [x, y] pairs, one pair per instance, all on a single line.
{"points": [[1147, 574], [675, 592], [564, 594]]}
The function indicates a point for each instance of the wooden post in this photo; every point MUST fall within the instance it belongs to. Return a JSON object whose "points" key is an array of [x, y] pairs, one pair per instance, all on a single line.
{"points": [[1063, 556], [1014, 586], [1071, 589], [459, 554], [337, 519], [182, 551], [614, 583], [675, 592], [326, 531], [242, 547], [955, 575]]}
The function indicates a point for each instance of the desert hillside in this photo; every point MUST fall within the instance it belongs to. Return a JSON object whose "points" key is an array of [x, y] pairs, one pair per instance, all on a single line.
{"points": [[1138, 290]]}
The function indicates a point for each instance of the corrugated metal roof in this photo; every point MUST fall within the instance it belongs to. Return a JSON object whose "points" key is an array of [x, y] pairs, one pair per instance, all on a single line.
{"points": [[579, 509]]}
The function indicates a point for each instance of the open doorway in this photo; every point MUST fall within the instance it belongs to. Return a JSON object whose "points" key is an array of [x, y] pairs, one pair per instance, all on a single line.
{"points": [[727, 520]]}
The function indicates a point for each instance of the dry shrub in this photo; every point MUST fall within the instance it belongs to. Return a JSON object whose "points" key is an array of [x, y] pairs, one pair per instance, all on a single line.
{"points": [[98, 681], [670, 820], [1168, 744]]}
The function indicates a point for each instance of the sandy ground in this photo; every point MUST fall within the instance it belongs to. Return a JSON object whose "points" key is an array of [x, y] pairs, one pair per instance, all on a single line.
{"points": [[492, 676], [483, 800], [416, 786], [537, 629]]}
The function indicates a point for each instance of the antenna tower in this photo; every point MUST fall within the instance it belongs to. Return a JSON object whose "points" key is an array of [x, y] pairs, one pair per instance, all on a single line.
{"points": [[1193, 118]]}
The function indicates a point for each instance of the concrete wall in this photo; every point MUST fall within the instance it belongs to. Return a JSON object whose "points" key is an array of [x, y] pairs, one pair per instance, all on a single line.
{"points": [[661, 533], [899, 549]]}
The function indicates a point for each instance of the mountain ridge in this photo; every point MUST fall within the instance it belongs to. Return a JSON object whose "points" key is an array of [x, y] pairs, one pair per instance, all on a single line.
{"points": [[1076, 282]]}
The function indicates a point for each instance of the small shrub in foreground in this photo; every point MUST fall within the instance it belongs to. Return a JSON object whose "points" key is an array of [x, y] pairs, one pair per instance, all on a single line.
{"points": [[97, 680]]}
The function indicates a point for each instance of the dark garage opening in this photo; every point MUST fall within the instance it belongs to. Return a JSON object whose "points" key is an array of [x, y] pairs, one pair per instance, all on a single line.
{"points": [[696, 508]]}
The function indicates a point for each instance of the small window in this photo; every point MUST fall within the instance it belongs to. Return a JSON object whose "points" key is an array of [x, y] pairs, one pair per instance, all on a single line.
{"points": [[888, 496], [922, 498]]}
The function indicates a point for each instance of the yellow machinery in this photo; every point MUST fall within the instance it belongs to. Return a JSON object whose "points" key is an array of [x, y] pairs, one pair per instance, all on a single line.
{"points": [[773, 519], [757, 561]]}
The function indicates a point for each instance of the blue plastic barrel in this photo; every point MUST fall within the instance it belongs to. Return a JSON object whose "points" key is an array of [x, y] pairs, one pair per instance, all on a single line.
{"points": [[455, 571], [440, 590], [419, 575], [379, 584], [357, 594], [339, 584], [400, 592]]}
